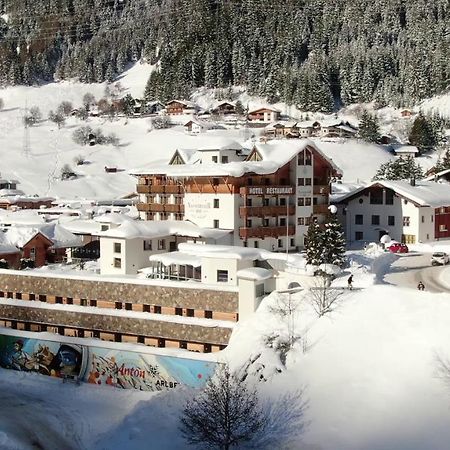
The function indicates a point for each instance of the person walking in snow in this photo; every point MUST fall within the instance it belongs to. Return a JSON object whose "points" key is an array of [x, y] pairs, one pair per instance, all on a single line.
{"points": [[349, 282], [421, 286]]}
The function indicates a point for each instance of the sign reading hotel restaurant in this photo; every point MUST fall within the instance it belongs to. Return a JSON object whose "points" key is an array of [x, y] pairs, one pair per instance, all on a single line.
{"points": [[270, 190]]}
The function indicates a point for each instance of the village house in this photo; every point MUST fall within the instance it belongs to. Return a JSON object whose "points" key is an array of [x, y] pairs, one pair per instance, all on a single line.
{"points": [[268, 196], [264, 115], [410, 212], [177, 107], [282, 129], [224, 108], [406, 151], [439, 177], [197, 126]]}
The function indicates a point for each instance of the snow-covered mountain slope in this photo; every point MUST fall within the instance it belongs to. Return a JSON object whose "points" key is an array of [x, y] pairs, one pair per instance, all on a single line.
{"points": [[37, 165]]}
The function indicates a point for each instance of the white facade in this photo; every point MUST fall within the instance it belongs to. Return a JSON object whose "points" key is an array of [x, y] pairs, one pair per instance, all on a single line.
{"points": [[125, 256]]}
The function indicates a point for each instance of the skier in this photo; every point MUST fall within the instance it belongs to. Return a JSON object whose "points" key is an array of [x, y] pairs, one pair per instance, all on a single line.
{"points": [[349, 282], [421, 286]]}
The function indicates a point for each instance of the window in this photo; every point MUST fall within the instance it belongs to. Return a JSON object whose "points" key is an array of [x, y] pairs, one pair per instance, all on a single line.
{"points": [[118, 305], [308, 201], [208, 315], [214, 159], [359, 219], [216, 223], [117, 263], [104, 228], [292, 242], [224, 159], [314, 200], [215, 181], [391, 221], [147, 244], [282, 222], [117, 247], [161, 244], [146, 308], [301, 201], [301, 221], [301, 181], [307, 181], [248, 223], [178, 311], [189, 312], [265, 222], [216, 203], [423, 219], [128, 306], [359, 236], [375, 220], [442, 227], [157, 309], [304, 158], [222, 276], [432, 219], [280, 243], [256, 244], [389, 197], [266, 202], [282, 202], [406, 221], [376, 197]]}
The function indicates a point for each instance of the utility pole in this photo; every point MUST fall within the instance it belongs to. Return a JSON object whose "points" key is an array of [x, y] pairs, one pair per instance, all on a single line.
{"points": [[26, 147]]}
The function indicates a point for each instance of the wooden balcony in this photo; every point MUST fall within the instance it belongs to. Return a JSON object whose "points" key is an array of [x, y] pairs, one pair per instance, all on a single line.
{"points": [[159, 189], [158, 207], [321, 189], [267, 190], [266, 211], [263, 232], [321, 209]]}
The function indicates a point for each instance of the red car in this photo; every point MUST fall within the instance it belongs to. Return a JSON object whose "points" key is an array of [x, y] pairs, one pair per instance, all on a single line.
{"points": [[397, 247]]}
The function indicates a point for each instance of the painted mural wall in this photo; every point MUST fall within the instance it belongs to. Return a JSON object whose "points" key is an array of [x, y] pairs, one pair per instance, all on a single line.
{"points": [[102, 366]]}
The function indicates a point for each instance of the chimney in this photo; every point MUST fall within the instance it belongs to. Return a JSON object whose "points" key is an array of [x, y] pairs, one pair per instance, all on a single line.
{"points": [[412, 181]]}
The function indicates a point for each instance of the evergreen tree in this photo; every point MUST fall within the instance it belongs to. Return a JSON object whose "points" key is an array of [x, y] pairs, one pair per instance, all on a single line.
{"points": [[333, 251], [422, 134], [444, 162], [369, 128], [399, 169], [314, 244]]}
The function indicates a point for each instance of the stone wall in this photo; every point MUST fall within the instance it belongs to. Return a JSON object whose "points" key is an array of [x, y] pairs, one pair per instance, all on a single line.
{"points": [[96, 289], [118, 324]]}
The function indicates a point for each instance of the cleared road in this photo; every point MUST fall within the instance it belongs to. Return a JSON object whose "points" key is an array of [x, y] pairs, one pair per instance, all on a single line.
{"points": [[411, 268]]}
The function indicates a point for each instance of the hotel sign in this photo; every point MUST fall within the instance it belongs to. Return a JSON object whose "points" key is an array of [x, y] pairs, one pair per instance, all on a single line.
{"points": [[270, 190]]}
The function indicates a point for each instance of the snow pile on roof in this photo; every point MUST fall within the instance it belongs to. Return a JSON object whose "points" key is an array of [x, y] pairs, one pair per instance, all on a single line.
{"points": [[21, 217], [155, 229], [82, 226], [274, 155], [113, 218], [406, 149], [423, 193], [60, 236], [255, 273], [5, 245], [167, 259]]}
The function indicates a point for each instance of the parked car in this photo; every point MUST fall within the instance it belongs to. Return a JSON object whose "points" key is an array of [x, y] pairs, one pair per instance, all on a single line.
{"points": [[439, 259], [398, 247]]}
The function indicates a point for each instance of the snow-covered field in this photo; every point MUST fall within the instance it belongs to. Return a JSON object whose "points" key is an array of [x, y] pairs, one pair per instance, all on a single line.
{"points": [[369, 372]]}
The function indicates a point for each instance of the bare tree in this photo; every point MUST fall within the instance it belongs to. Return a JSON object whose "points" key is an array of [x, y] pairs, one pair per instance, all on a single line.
{"points": [[324, 298], [286, 308], [160, 122], [64, 108], [226, 413], [88, 101]]}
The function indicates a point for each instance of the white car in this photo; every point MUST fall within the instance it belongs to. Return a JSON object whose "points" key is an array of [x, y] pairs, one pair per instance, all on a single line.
{"points": [[439, 259]]}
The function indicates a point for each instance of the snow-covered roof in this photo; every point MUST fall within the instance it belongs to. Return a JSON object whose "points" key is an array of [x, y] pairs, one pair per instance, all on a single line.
{"points": [[88, 226], [347, 128], [281, 123], [222, 251], [162, 228], [113, 218], [182, 258], [255, 273], [437, 175], [21, 217], [269, 108], [423, 193], [186, 103], [5, 246], [406, 149], [274, 155]]}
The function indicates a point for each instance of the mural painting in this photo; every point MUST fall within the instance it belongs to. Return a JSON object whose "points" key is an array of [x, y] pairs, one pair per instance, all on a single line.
{"points": [[45, 357], [103, 366]]}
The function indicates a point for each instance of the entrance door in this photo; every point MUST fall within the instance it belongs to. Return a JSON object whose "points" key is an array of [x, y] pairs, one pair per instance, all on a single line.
{"points": [[172, 247]]}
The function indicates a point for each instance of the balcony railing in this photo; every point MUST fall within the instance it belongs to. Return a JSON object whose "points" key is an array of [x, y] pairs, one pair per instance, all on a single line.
{"points": [[267, 190], [159, 189], [262, 211], [159, 207], [321, 189], [263, 232], [320, 209]]}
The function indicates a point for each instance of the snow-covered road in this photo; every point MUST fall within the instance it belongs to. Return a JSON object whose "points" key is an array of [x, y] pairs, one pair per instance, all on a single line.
{"points": [[411, 268]]}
